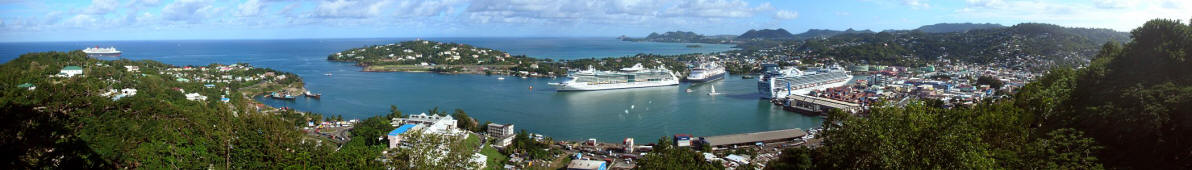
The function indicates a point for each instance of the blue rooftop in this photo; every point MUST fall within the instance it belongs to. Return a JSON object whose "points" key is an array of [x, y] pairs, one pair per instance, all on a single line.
{"points": [[401, 129]]}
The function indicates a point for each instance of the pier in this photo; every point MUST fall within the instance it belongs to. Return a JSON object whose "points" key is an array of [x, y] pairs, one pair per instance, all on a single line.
{"points": [[748, 139], [814, 105]]}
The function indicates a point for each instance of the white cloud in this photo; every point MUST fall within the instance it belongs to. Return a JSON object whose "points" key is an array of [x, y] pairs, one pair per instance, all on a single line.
{"points": [[418, 8], [191, 11], [251, 8], [916, 4], [986, 3], [784, 14], [1115, 4], [716, 8], [1122, 16], [349, 8], [101, 7], [613, 11]]}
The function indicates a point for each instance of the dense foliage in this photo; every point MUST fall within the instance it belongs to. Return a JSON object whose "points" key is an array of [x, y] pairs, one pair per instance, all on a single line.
{"points": [[766, 34], [956, 27], [66, 121], [1048, 43], [422, 51], [1129, 109], [679, 37], [667, 156]]}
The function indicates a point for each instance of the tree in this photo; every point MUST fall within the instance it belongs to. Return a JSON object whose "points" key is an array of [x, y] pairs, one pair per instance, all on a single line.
{"points": [[465, 122], [394, 112], [1064, 149], [793, 158], [989, 80], [433, 151], [665, 157]]}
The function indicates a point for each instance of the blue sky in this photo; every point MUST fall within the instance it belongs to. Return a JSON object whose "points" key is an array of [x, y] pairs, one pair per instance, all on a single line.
{"points": [[87, 20]]}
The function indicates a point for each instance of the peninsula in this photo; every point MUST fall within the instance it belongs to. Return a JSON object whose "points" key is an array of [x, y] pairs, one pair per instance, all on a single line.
{"points": [[431, 56], [454, 58]]}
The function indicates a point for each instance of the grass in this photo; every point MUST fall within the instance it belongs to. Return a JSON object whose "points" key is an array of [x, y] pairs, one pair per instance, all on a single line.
{"points": [[495, 159], [472, 141]]}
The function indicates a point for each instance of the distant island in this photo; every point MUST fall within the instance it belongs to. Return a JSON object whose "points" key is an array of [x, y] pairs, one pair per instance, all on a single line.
{"points": [[454, 58], [956, 27], [431, 56], [683, 37]]}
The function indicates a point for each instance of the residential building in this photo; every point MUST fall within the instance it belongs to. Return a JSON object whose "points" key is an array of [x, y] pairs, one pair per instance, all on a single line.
{"points": [[195, 97], [396, 135], [70, 71]]}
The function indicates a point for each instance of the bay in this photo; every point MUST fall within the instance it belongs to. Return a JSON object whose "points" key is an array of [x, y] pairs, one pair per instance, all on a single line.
{"points": [[644, 114]]}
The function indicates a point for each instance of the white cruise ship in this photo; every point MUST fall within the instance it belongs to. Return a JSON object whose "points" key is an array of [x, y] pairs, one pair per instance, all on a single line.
{"points": [[706, 72], [776, 82], [102, 52], [633, 77]]}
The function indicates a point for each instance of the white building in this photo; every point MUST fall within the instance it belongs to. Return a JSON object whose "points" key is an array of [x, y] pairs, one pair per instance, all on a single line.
{"points": [[503, 133], [431, 124], [195, 97], [70, 71], [132, 68]]}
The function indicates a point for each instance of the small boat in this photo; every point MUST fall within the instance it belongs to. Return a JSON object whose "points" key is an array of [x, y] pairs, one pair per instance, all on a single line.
{"points": [[713, 93], [312, 95], [747, 77], [327, 74], [500, 78], [274, 95], [689, 90]]}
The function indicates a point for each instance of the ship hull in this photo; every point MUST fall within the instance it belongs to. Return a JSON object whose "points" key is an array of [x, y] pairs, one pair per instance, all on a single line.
{"points": [[706, 78], [585, 87], [769, 89], [103, 54]]}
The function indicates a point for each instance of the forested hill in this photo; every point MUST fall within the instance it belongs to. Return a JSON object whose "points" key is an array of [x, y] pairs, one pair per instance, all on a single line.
{"points": [[89, 121], [423, 51], [766, 34], [1048, 43], [1131, 108], [956, 27], [681, 37]]}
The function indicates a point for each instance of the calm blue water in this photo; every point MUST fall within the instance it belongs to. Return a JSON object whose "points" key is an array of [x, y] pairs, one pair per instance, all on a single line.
{"points": [[652, 112]]}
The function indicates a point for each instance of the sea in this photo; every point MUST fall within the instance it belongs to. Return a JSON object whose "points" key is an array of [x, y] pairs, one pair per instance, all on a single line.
{"points": [[528, 103]]}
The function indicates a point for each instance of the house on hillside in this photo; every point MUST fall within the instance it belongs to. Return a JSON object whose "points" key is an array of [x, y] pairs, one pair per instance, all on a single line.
{"points": [[70, 71]]}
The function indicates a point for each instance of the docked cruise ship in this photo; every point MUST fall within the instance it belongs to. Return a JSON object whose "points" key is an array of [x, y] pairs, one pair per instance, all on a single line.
{"points": [[632, 77], [777, 82], [102, 52], [706, 72]]}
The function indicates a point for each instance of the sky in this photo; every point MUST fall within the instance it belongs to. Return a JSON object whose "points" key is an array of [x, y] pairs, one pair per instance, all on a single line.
{"points": [[106, 20]]}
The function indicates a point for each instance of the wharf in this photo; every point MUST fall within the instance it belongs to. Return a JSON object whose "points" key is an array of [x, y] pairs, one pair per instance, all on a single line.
{"points": [[814, 105]]}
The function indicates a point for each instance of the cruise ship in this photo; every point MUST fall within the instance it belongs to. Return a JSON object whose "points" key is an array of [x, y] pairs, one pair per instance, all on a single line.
{"points": [[706, 72], [632, 77], [102, 52], [777, 82]]}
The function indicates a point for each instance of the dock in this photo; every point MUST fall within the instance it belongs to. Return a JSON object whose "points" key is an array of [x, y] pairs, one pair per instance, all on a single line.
{"points": [[815, 105], [754, 137]]}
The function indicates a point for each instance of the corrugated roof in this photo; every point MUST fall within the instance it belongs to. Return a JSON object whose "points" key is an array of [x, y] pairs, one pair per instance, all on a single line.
{"points": [[72, 68], [585, 164], [754, 137], [401, 129]]}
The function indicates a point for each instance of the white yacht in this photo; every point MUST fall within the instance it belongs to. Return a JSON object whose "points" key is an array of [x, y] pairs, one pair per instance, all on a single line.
{"points": [[632, 77]]}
